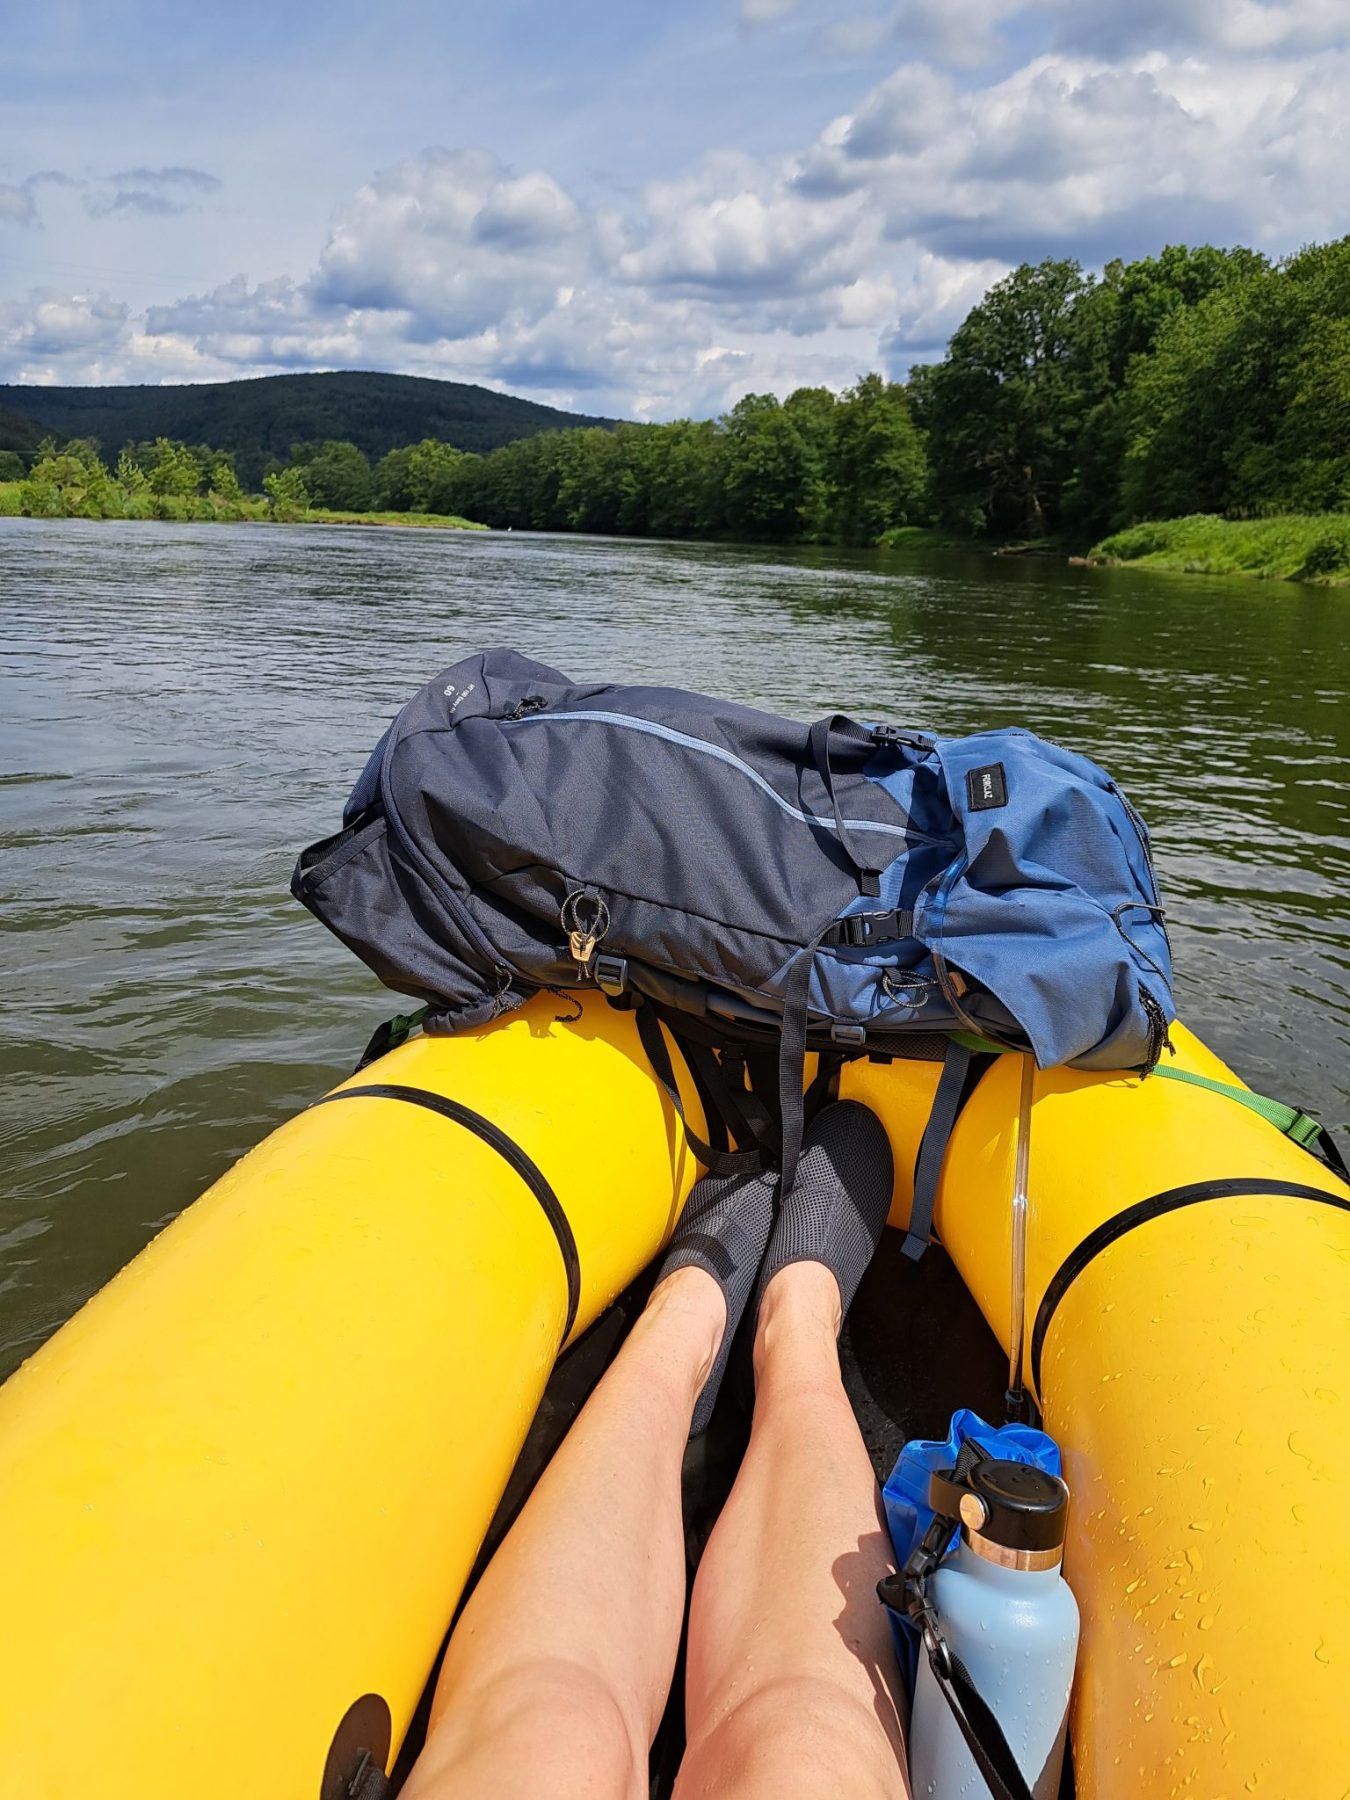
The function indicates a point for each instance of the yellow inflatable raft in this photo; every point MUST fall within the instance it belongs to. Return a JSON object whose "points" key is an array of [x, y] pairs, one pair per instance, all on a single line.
{"points": [[241, 1491]]}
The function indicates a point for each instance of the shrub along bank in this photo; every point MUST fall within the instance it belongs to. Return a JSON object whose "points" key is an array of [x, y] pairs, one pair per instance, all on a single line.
{"points": [[1295, 547]]}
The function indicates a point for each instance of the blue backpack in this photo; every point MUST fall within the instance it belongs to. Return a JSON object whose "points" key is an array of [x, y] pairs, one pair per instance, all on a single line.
{"points": [[758, 885]]}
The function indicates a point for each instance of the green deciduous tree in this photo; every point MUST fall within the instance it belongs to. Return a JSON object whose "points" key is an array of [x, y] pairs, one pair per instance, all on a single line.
{"points": [[1003, 410], [336, 475], [70, 483], [287, 494], [880, 471]]}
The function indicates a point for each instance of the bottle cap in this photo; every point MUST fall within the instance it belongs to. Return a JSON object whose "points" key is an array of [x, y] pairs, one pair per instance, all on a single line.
{"points": [[1015, 1514]]}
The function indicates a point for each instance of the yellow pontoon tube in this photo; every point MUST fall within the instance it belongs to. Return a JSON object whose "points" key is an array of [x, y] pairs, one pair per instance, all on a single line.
{"points": [[241, 1491]]}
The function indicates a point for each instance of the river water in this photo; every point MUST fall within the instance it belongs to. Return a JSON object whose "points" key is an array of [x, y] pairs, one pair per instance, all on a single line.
{"points": [[184, 707]]}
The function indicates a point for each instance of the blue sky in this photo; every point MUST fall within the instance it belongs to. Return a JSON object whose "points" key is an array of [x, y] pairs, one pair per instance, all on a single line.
{"points": [[620, 206]]}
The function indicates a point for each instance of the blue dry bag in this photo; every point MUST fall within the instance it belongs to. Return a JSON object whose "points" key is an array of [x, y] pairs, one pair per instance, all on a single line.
{"points": [[908, 1513]]}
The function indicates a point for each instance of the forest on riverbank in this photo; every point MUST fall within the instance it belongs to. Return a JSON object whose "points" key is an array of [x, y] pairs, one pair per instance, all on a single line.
{"points": [[1068, 406]]}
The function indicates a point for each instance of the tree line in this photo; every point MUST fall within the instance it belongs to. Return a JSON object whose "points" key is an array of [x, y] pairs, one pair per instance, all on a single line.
{"points": [[1067, 405]]}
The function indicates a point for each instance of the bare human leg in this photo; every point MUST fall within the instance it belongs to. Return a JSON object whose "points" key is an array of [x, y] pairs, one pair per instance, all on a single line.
{"points": [[792, 1686], [558, 1671]]}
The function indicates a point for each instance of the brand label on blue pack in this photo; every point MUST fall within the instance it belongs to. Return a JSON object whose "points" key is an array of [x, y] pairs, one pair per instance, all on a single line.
{"points": [[986, 787]]}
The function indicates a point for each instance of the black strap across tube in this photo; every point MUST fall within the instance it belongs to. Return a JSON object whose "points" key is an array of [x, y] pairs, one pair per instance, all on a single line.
{"points": [[933, 1147], [1111, 1230], [510, 1152]]}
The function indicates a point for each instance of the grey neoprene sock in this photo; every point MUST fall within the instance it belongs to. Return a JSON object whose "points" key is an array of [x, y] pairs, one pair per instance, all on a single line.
{"points": [[723, 1230], [838, 1205]]}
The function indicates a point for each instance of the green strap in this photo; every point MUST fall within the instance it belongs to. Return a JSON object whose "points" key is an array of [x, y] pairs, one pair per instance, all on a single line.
{"points": [[390, 1035], [1304, 1130], [982, 1046]]}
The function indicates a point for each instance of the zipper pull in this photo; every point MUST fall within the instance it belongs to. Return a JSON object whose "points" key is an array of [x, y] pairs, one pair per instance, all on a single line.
{"points": [[585, 919]]}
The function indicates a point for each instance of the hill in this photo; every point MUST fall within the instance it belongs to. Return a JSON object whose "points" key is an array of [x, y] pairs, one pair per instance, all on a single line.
{"points": [[261, 418], [16, 431]]}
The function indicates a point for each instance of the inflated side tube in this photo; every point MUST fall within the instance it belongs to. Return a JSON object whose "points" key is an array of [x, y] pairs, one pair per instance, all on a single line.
{"points": [[241, 1490], [1188, 1333]]}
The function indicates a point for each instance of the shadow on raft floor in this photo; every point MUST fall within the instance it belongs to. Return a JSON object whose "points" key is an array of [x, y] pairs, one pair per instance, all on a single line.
{"points": [[915, 1347]]}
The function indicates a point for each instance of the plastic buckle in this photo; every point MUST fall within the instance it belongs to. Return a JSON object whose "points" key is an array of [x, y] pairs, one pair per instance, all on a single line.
{"points": [[848, 1034], [611, 974], [856, 928], [888, 734]]}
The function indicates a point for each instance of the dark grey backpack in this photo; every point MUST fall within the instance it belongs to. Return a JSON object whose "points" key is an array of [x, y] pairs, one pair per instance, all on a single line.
{"points": [[758, 882]]}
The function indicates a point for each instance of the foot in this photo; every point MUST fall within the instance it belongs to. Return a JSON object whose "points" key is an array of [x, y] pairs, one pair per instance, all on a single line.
{"points": [[722, 1231], [837, 1209]]}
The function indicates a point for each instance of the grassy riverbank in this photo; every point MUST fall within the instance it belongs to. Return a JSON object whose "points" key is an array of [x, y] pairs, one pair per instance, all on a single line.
{"points": [[211, 509], [1311, 547]]}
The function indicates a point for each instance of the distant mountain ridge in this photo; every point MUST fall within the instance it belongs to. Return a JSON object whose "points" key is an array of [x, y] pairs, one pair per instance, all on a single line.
{"points": [[262, 417]]}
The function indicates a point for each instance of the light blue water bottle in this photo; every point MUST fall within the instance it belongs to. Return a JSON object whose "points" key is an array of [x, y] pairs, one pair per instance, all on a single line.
{"points": [[1009, 1623]]}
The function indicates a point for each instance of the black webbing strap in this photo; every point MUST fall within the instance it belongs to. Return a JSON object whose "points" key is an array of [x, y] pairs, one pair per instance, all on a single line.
{"points": [[977, 1724], [509, 1151], [717, 1162], [1156, 1206], [867, 863], [792, 1059], [907, 1593], [824, 1086], [369, 1782], [933, 1147], [857, 930], [735, 1105]]}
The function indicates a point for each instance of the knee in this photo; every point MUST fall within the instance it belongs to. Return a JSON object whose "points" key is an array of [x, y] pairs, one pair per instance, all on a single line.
{"points": [[796, 1736], [553, 1723]]}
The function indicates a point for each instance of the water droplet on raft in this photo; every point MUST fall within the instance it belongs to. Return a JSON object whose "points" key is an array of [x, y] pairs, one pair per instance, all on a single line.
{"points": [[1321, 1652], [1202, 1524], [1176, 1662], [1207, 1621]]}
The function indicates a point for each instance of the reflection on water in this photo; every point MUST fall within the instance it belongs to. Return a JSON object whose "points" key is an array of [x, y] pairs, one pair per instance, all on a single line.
{"points": [[186, 706]]}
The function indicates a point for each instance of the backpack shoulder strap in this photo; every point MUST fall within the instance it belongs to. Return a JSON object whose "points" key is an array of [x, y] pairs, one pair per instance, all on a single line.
{"points": [[717, 1162], [933, 1146]]}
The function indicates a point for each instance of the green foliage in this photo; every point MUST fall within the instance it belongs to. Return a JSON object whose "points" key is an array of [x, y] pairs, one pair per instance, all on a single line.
{"points": [[432, 473], [1294, 547], [880, 469], [1004, 408], [69, 484], [1200, 383], [12, 466], [335, 474], [1196, 381], [259, 419], [287, 494], [130, 476], [814, 468], [173, 470]]}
